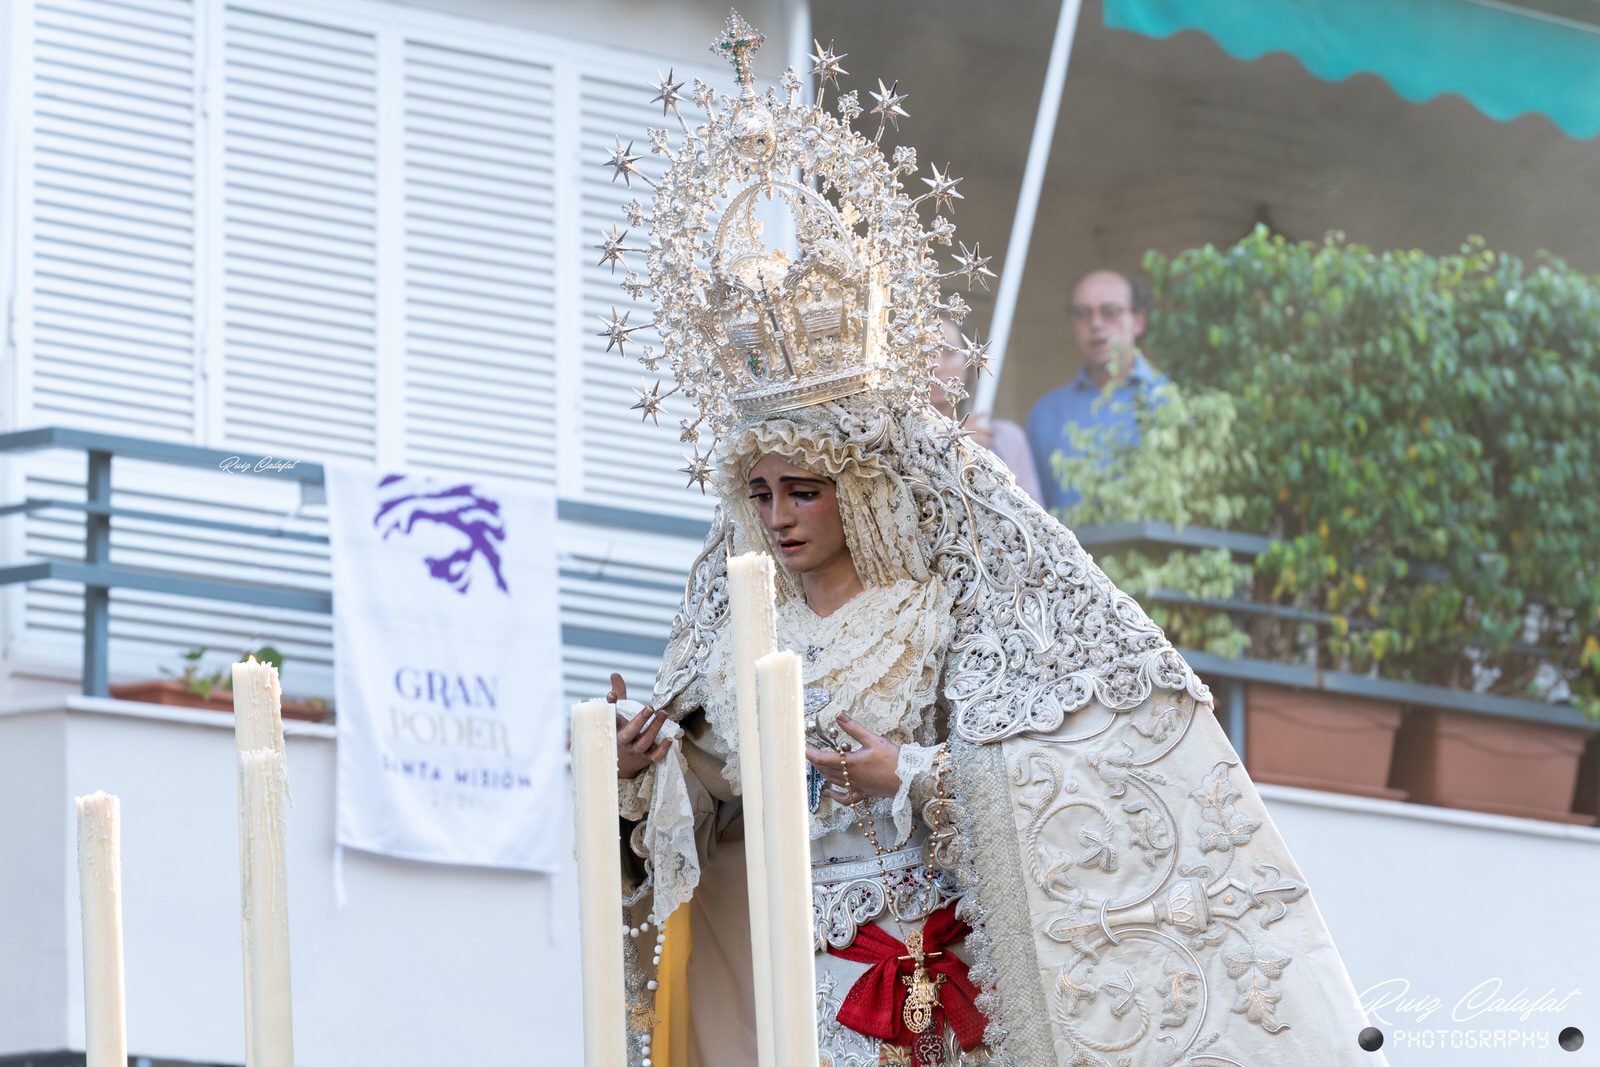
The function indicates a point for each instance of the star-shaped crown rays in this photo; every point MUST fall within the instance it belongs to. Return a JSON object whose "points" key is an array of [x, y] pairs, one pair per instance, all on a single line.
{"points": [[955, 433], [617, 330], [623, 164], [976, 354], [942, 189], [825, 65], [667, 91], [972, 265], [888, 109], [699, 469], [612, 249], [650, 401], [826, 68]]}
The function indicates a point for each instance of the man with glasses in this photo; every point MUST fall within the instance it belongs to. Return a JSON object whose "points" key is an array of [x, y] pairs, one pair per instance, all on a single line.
{"points": [[1109, 312]]}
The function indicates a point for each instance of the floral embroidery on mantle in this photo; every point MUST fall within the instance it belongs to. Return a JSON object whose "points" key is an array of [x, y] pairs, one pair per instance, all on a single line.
{"points": [[1039, 632], [1162, 930]]}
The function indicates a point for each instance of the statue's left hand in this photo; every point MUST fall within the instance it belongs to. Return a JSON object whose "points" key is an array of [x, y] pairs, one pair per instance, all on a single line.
{"points": [[873, 767]]}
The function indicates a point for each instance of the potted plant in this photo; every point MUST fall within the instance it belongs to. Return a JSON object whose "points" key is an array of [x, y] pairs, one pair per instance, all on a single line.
{"points": [[1193, 466], [1181, 471], [191, 687], [1424, 426], [1530, 345]]}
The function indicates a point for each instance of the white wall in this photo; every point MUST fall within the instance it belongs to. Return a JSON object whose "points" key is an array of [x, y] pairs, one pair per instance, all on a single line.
{"points": [[34, 887], [1434, 909], [10, 71], [427, 965], [432, 965]]}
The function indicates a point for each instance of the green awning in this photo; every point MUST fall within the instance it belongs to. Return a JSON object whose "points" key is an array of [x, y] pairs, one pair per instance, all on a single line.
{"points": [[1507, 62]]}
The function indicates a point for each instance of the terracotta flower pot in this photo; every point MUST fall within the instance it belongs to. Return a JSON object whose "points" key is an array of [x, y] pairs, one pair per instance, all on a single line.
{"points": [[172, 693], [1586, 798], [1457, 759], [1320, 740]]}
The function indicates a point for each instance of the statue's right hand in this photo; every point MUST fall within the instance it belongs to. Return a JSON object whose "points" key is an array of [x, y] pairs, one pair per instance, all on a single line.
{"points": [[637, 744]]}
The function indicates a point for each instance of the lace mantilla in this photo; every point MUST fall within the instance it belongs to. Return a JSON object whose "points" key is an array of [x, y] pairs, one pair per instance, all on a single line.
{"points": [[1039, 631], [878, 656], [658, 799]]}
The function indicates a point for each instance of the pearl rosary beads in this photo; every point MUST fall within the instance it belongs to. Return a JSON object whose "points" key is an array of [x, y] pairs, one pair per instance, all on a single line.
{"points": [[645, 1017]]}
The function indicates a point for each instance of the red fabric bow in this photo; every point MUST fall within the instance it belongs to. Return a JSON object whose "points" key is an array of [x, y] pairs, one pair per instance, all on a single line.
{"points": [[875, 1003]]}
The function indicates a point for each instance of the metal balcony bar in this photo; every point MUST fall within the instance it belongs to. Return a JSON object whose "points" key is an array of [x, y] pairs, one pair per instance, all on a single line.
{"points": [[33, 505], [98, 577]]}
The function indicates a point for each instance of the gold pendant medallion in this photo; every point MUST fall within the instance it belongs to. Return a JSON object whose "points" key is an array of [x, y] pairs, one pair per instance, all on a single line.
{"points": [[924, 988]]}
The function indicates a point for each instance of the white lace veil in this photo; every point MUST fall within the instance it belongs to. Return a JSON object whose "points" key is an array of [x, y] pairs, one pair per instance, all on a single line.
{"points": [[1040, 631]]}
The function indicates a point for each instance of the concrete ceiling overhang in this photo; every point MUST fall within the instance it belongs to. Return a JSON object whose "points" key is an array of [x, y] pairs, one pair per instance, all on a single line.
{"points": [[1167, 144]]}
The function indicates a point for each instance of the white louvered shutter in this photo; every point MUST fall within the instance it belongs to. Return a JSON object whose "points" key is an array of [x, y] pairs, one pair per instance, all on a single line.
{"points": [[619, 591], [107, 331], [108, 325], [300, 239], [626, 461], [373, 228], [480, 306]]}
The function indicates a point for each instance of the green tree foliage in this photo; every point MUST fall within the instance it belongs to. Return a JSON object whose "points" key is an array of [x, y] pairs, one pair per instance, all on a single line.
{"points": [[1185, 470], [1427, 437]]}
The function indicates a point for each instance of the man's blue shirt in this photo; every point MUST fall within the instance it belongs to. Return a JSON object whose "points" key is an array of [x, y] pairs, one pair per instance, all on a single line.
{"points": [[1074, 404]]}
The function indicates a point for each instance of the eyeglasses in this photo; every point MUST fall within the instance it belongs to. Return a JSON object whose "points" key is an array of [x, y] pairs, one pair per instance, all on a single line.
{"points": [[1107, 312]]}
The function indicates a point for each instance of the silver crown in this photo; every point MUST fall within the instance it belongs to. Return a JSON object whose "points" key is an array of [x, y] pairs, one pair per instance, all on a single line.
{"points": [[749, 329]]}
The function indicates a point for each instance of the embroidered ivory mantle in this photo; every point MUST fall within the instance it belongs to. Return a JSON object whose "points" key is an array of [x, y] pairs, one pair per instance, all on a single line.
{"points": [[1131, 901]]}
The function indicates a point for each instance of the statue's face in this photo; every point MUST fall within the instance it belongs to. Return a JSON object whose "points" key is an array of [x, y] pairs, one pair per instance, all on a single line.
{"points": [[801, 512]]}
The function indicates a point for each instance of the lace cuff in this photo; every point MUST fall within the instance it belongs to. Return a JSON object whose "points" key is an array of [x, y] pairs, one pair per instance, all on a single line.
{"points": [[915, 771], [633, 794], [668, 837]]}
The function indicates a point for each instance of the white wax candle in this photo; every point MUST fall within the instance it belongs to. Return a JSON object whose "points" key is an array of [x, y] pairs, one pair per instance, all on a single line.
{"points": [[263, 791], [794, 982], [750, 606], [598, 840], [100, 893], [258, 728], [257, 706]]}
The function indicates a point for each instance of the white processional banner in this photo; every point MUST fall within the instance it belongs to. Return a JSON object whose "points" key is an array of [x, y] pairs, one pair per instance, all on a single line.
{"points": [[447, 638]]}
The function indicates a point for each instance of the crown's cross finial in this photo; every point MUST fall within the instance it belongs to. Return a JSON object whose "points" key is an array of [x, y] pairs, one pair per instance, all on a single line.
{"points": [[739, 42]]}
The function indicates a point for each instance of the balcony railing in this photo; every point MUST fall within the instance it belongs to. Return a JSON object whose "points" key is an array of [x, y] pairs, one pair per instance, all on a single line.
{"points": [[1161, 535], [97, 575]]}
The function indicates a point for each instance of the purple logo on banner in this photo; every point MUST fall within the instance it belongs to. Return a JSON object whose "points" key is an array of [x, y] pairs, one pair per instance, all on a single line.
{"points": [[459, 508]]}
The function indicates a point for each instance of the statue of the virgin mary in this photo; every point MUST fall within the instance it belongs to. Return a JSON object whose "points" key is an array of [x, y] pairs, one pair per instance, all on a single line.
{"points": [[1031, 842]]}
